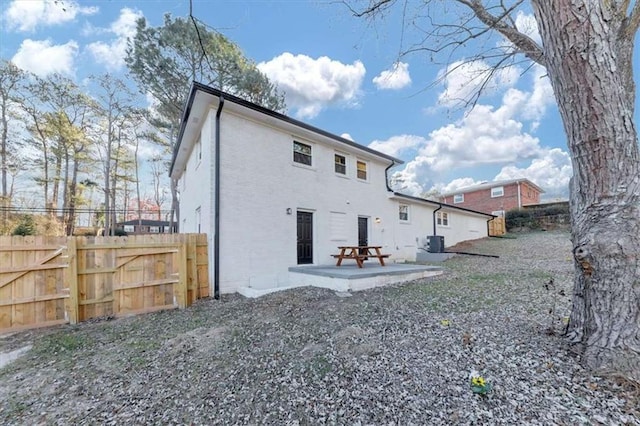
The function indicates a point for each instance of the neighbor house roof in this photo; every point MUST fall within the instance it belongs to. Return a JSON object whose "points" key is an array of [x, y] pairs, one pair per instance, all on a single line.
{"points": [[201, 96], [493, 184]]}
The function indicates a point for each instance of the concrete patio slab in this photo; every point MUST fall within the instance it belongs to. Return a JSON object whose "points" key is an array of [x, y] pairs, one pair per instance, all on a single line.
{"points": [[352, 278]]}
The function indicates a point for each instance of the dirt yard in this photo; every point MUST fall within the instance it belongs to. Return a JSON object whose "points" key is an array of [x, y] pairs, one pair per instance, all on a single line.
{"points": [[397, 355]]}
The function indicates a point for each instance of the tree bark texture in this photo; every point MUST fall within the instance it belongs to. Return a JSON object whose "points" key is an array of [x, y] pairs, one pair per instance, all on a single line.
{"points": [[588, 51]]}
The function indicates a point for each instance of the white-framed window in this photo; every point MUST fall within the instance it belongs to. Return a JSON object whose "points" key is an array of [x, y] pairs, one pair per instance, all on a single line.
{"points": [[154, 229], [497, 191], [340, 164], [458, 198], [361, 170], [198, 220], [499, 213], [129, 228], [442, 218], [403, 213], [301, 153]]}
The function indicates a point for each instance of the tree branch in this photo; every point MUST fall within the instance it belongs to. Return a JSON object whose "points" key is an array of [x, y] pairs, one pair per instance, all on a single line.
{"points": [[633, 21], [524, 43], [375, 8]]}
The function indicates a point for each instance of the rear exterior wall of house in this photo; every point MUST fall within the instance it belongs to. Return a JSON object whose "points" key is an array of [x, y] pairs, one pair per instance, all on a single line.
{"points": [[264, 192]]}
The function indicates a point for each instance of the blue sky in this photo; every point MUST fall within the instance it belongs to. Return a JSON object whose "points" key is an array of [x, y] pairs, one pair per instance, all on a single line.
{"points": [[339, 73]]}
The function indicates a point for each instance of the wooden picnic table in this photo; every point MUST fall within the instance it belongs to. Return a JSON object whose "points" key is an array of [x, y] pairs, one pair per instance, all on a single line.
{"points": [[360, 254]]}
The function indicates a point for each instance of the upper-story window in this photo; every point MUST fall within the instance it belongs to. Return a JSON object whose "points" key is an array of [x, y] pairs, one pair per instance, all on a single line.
{"points": [[498, 191], [403, 213], [340, 164], [458, 198], [442, 218], [361, 170], [301, 153]]}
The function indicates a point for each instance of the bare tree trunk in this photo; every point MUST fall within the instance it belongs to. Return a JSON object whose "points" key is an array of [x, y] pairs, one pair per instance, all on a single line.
{"points": [[71, 209], [588, 52], [65, 189], [107, 177], [137, 165], [4, 196], [56, 182]]}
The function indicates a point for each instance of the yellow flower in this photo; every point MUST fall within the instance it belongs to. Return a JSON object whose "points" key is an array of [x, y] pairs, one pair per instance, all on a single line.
{"points": [[444, 322], [478, 381]]}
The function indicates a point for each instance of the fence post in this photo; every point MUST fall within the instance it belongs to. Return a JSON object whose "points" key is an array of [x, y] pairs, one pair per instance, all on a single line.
{"points": [[72, 280], [193, 271], [181, 286]]}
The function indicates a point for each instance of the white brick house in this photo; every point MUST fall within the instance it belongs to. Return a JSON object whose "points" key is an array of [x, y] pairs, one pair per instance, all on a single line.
{"points": [[272, 192]]}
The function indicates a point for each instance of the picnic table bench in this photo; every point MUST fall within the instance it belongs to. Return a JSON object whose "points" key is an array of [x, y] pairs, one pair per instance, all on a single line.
{"points": [[360, 254]]}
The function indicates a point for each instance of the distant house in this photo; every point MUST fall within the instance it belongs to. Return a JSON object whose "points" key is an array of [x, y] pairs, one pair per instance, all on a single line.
{"points": [[495, 197], [145, 226], [274, 193]]}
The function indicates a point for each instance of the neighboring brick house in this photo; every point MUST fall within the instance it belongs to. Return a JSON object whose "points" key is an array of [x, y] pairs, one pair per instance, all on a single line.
{"points": [[495, 197]]}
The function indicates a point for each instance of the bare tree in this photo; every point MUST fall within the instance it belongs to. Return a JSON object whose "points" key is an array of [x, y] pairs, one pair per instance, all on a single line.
{"points": [[587, 49], [116, 109], [10, 79], [157, 170]]}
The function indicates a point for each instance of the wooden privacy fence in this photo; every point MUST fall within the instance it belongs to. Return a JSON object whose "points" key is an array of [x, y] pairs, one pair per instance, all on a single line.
{"points": [[497, 227], [54, 280]]}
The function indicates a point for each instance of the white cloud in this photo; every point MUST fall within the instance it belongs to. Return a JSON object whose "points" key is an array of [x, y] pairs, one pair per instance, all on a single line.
{"points": [[540, 98], [112, 54], [42, 57], [346, 136], [484, 136], [462, 79], [397, 144], [29, 15], [551, 171], [526, 24], [455, 184], [396, 78], [310, 85]]}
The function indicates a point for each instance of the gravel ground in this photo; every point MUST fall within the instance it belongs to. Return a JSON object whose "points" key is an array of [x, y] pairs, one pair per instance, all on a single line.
{"points": [[396, 356]]}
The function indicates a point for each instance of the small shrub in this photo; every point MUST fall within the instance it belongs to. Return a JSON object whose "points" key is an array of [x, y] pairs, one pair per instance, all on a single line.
{"points": [[520, 219], [25, 227], [539, 217]]}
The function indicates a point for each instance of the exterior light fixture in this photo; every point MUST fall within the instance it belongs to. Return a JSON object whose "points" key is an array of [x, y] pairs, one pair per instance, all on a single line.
{"points": [[289, 211]]}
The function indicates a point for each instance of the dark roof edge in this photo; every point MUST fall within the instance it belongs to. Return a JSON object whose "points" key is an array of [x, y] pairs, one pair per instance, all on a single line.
{"points": [[229, 97], [411, 197], [183, 124]]}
